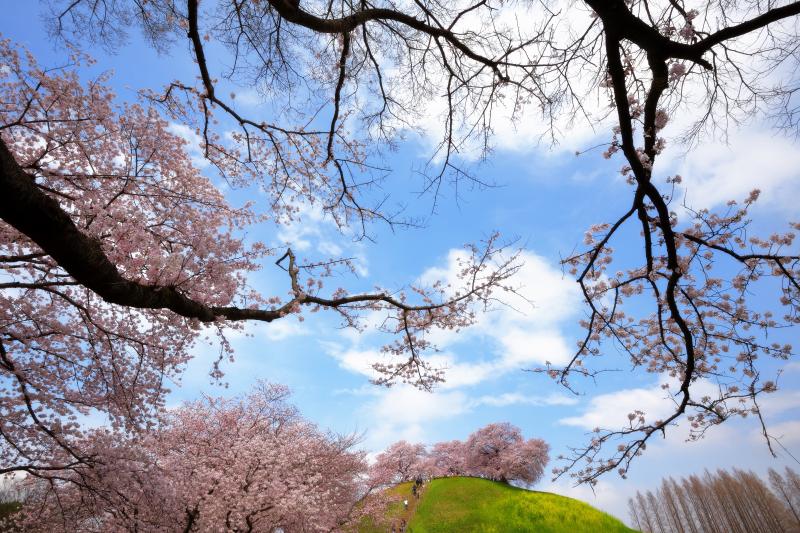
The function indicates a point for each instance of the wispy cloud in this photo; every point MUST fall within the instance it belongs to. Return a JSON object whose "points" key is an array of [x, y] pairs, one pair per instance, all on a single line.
{"points": [[194, 143], [502, 341], [515, 398], [753, 158]]}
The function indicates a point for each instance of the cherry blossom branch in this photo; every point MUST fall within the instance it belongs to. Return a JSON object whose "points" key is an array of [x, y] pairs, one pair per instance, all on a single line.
{"points": [[678, 338]]}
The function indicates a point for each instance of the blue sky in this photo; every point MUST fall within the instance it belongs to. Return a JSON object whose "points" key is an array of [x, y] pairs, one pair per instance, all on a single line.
{"points": [[546, 197]]}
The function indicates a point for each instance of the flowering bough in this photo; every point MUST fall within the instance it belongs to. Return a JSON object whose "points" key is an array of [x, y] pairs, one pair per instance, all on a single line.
{"points": [[118, 256], [702, 328], [497, 451], [246, 464]]}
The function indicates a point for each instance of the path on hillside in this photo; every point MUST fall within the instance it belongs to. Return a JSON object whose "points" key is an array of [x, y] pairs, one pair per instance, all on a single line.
{"points": [[400, 524]]}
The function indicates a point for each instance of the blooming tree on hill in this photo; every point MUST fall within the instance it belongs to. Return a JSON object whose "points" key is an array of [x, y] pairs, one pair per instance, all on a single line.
{"points": [[497, 451], [117, 255], [402, 461], [447, 459]]}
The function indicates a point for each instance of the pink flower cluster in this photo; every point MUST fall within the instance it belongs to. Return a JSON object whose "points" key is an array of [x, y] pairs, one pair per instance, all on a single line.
{"points": [[246, 464], [497, 451]]}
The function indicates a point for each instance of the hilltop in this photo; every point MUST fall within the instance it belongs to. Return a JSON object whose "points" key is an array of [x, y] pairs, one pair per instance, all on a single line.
{"points": [[466, 504]]}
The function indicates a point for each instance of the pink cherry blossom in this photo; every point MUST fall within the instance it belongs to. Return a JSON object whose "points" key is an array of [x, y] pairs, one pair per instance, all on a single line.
{"points": [[250, 463]]}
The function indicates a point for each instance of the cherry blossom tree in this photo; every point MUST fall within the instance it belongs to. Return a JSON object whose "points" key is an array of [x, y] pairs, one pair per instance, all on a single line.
{"points": [[118, 256], [500, 452], [402, 461], [102, 259], [447, 459], [497, 451], [247, 464]]}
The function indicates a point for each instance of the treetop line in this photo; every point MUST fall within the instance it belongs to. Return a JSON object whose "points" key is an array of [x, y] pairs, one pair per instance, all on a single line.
{"points": [[117, 254]]}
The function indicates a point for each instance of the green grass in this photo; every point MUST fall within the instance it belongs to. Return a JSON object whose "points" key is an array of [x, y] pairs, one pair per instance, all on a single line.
{"points": [[6, 510], [464, 504]]}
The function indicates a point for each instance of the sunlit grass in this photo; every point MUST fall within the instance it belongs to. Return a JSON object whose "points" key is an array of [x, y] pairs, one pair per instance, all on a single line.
{"points": [[470, 504]]}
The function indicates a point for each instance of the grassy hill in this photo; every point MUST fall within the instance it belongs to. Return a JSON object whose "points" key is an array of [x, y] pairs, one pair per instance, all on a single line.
{"points": [[464, 504]]}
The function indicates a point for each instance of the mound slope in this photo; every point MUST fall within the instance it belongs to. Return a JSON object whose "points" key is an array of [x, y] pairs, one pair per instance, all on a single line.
{"points": [[464, 504]]}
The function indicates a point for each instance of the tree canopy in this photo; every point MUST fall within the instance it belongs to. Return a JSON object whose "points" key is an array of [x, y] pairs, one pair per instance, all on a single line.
{"points": [[118, 254], [497, 451], [243, 464]]}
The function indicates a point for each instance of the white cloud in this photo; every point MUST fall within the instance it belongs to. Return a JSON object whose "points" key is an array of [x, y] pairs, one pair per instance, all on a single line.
{"points": [[465, 373], [354, 360], [515, 349], [736, 444], [516, 398], [283, 329], [526, 130], [330, 248], [528, 331], [754, 158], [518, 125], [525, 335], [792, 367], [306, 225], [779, 402], [526, 347], [312, 231], [194, 143], [714, 171], [249, 97], [504, 340], [787, 433], [610, 410], [405, 413]]}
